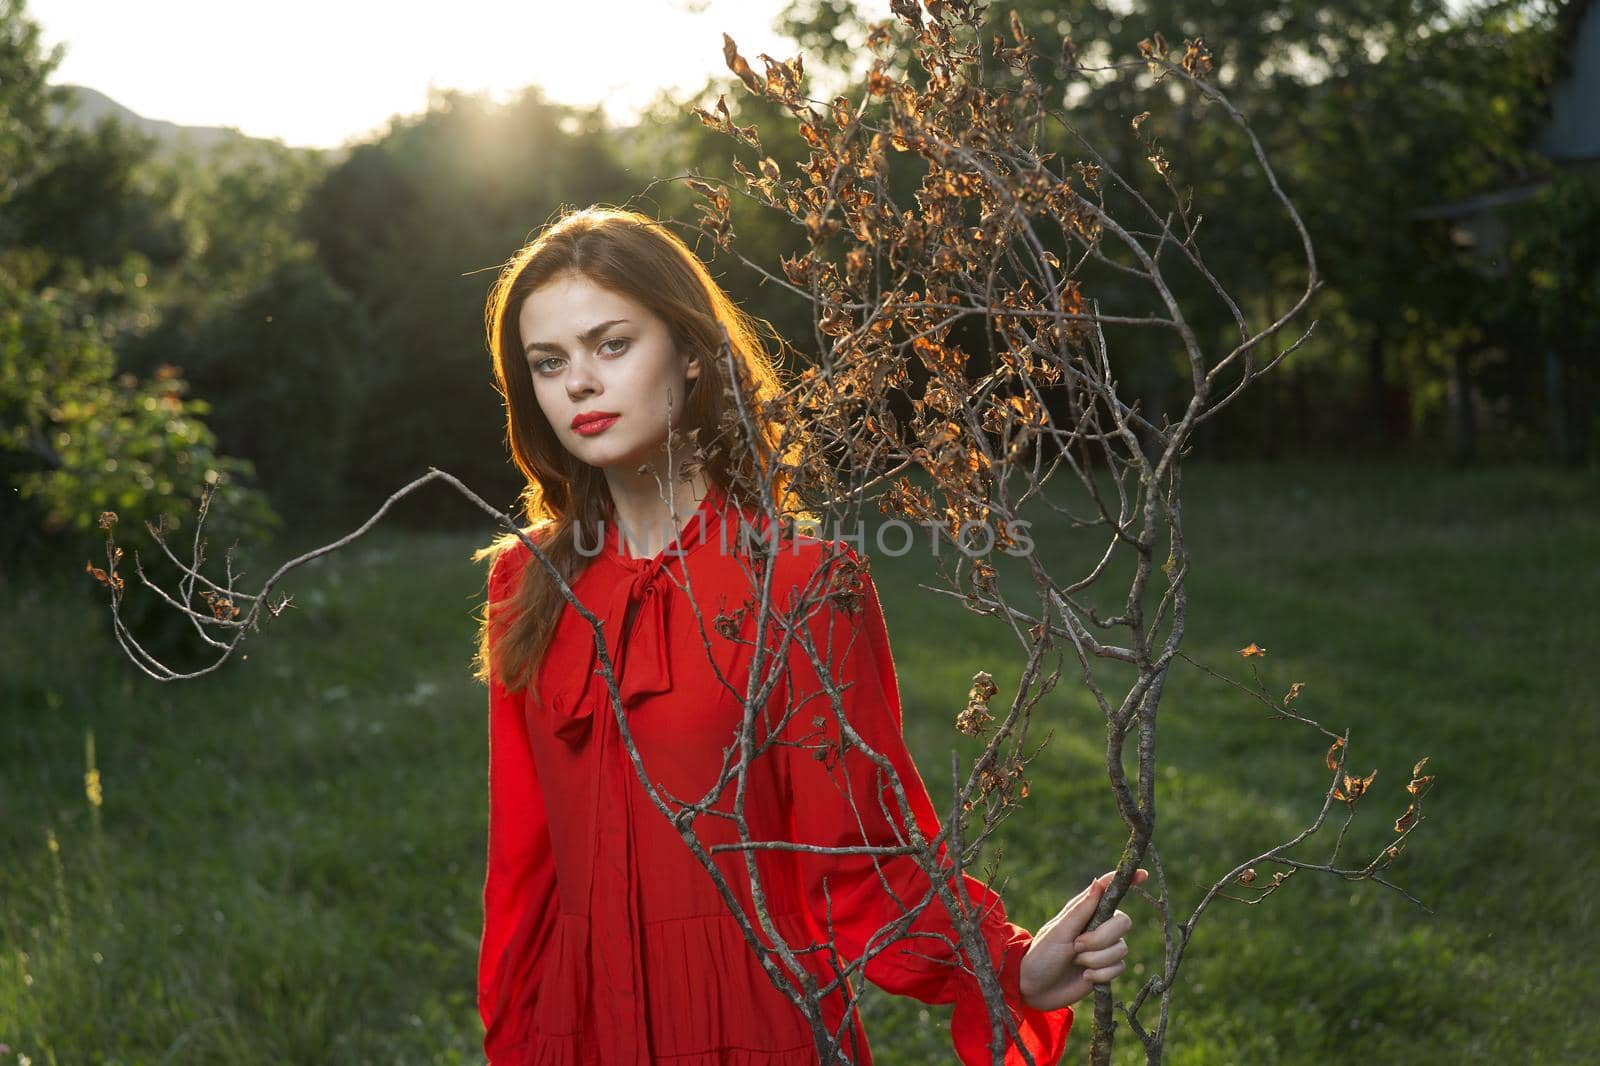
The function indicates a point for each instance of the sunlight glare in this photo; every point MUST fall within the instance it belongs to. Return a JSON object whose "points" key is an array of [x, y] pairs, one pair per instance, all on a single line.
{"points": [[316, 74]]}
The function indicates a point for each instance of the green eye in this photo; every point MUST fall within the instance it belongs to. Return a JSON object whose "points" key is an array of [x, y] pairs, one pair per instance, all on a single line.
{"points": [[621, 343]]}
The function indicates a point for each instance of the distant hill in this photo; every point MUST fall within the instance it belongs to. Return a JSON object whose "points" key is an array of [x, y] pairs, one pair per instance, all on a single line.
{"points": [[86, 107]]}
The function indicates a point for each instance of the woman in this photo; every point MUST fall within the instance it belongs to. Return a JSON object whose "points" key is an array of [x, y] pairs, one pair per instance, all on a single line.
{"points": [[605, 939]]}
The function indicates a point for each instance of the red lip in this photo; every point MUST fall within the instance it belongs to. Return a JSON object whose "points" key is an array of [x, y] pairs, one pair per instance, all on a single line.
{"points": [[590, 416]]}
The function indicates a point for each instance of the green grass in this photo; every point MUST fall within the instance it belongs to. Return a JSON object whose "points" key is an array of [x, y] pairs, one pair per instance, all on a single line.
{"points": [[288, 861]]}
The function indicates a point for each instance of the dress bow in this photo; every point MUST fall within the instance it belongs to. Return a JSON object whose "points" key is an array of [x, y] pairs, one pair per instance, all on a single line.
{"points": [[637, 645], [639, 658]]}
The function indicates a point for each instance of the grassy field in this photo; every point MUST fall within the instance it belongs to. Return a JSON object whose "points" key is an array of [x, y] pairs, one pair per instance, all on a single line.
{"points": [[287, 862]]}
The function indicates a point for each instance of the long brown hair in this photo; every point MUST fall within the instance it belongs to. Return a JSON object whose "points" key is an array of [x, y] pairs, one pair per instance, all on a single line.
{"points": [[637, 257]]}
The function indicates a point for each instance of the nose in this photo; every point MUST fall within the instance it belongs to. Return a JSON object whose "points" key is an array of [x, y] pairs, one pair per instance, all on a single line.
{"points": [[581, 381]]}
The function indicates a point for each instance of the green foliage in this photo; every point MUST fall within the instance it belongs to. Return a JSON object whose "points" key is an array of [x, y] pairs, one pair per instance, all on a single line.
{"points": [[90, 203], [1554, 252], [260, 329], [1549, 297], [279, 362], [1369, 111], [84, 439], [26, 135]]}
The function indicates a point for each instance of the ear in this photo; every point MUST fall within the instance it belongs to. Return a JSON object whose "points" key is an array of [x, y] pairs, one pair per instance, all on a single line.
{"points": [[693, 370]]}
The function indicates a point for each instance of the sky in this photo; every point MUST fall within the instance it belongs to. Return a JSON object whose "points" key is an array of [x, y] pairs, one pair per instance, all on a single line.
{"points": [[314, 74]]}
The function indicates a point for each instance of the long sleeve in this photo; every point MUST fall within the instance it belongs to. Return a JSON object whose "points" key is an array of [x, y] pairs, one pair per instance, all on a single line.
{"points": [[519, 884], [849, 802]]}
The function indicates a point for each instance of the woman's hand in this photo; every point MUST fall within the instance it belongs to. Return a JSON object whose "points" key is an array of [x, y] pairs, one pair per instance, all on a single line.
{"points": [[1064, 963]]}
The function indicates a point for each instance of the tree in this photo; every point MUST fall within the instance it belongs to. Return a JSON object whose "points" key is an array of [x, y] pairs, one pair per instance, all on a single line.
{"points": [[1371, 111], [27, 138], [253, 315], [1549, 301], [405, 225], [82, 229]]}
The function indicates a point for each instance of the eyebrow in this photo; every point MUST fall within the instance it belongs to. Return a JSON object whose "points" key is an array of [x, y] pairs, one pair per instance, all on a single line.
{"points": [[587, 336]]}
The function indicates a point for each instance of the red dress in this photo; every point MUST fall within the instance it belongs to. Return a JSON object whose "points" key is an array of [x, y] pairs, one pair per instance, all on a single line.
{"points": [[605, 940]]}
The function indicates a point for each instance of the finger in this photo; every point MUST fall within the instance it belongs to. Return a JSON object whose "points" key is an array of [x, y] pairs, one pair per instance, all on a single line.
{"points": [[1101, 976], [1104, 934], [1094, 960], [1090, 896], [1084, 901], [1103, 882]]}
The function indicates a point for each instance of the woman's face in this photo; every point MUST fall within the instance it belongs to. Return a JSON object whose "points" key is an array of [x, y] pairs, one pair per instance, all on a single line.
{"points": [[592, 350]]}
